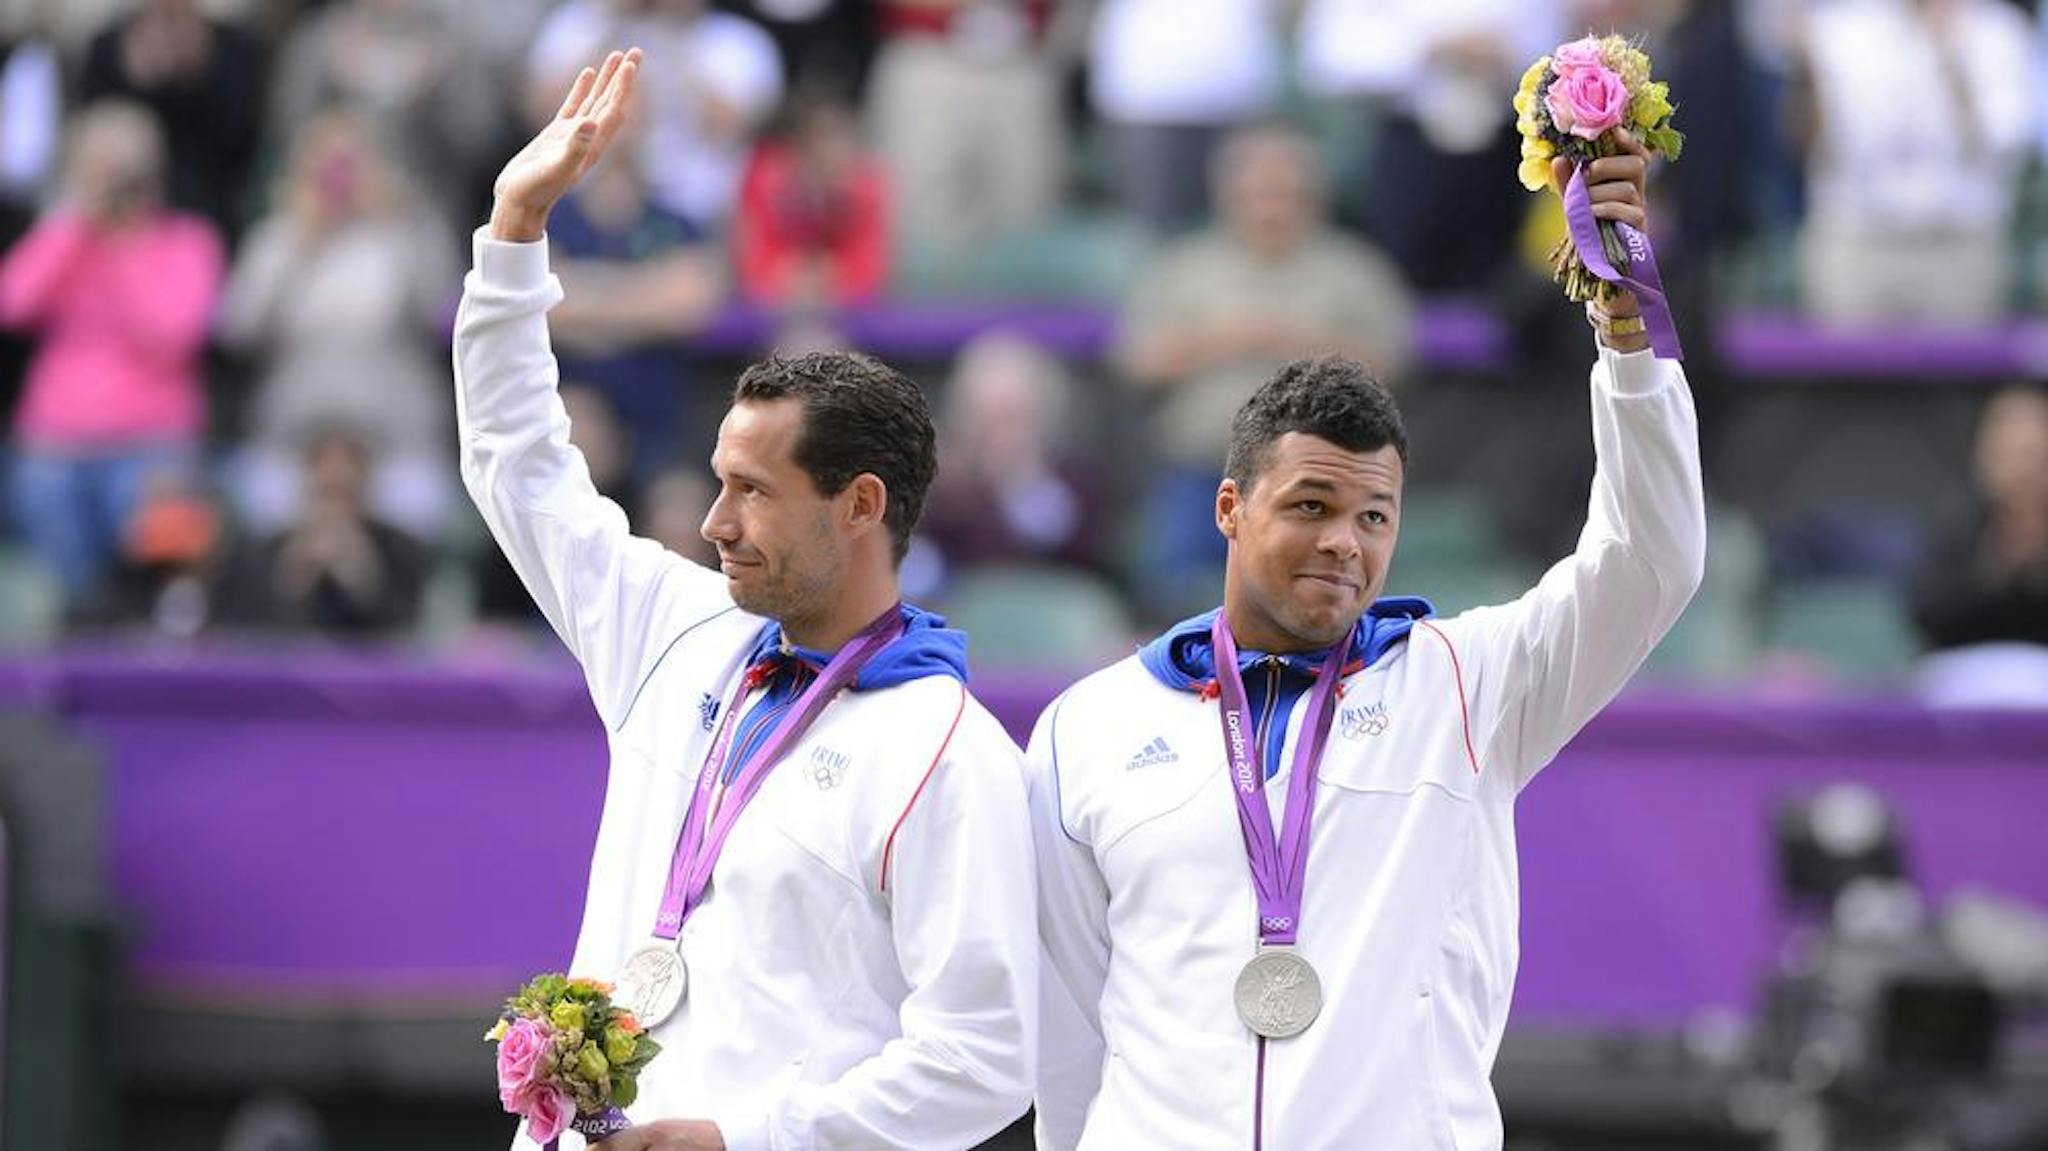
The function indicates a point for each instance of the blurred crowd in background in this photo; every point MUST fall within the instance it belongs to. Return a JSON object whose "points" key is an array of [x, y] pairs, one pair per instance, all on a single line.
{"points": [[234, 234]]}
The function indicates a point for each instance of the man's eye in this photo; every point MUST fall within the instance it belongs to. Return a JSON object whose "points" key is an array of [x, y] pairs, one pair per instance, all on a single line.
{"points": [[1310, 507]]}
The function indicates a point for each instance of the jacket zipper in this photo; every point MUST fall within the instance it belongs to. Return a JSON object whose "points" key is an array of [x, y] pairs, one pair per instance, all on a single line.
{"points": [[1265, 729], [1267, 750]]}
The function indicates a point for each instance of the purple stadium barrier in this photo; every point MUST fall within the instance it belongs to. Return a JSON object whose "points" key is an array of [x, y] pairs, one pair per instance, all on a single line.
{"points": [[332, 826], [1453, 335]]}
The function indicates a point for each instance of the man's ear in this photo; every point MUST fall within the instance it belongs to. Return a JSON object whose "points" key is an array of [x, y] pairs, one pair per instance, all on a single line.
{"points": [[1229, 505], [866, 501]]}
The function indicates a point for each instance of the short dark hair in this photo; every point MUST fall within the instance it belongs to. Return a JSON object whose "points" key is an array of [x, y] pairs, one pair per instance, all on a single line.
{"points": [[860, 415], [1330, 397]]}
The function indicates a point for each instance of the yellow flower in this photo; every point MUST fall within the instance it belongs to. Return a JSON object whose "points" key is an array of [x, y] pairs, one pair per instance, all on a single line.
{"points": [[1649, 106], [1535, 173], [1525, 98], [1537, 148], [566, 1017], [496, 1033], [1631, 62], [618, 1046]]}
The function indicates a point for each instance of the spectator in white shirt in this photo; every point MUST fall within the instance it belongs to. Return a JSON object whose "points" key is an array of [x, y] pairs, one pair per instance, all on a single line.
{"points": [[1920, 115], [1170, 85]]}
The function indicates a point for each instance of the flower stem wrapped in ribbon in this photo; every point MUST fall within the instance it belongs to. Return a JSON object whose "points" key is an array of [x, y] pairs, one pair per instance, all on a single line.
{"points": [[1570, 104], [568, 1060]]}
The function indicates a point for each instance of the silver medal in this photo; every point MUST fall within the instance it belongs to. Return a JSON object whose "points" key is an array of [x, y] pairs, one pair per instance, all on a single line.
{"points": [[1278, 994], [652, 982]]}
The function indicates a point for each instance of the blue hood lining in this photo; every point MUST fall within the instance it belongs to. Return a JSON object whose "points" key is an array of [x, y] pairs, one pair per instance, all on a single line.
{"points": [[926, 647], [1184, 659]]}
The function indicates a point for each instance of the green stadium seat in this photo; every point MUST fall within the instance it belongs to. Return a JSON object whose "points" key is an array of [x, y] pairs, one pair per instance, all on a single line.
{"points": [[1071, 257], [1450, 554], [1716, 639], [31, 602], [1857, 628], [1039, 618]]}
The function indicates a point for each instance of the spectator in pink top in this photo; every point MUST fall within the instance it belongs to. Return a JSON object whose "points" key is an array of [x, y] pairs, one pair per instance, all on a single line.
{"points": [[117, 291]]}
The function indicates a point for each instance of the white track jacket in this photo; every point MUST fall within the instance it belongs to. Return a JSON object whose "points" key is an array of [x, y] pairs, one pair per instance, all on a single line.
{"points": [[1147, 909], [863, 973]]}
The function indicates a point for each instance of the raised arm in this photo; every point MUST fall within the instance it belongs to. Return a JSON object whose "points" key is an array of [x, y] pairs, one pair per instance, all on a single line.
{"points": [[1536, 670], [615, 599]]}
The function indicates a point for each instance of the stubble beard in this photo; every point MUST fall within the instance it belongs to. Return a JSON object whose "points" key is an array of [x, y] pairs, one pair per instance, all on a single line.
{"points": [[1316, 626], [795, 592]]}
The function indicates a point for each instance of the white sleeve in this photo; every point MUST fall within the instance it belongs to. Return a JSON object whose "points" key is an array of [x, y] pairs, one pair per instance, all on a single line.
{"points": [[616, 600], [1073, 926], [958, 882], [1545, 664]]}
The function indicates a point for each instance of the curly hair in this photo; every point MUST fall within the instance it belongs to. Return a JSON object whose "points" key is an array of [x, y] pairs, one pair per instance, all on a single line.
{"points": [[1331, 398]]}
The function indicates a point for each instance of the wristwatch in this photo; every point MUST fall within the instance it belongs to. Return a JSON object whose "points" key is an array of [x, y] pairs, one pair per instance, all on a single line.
{"points": [[1615, 325]]}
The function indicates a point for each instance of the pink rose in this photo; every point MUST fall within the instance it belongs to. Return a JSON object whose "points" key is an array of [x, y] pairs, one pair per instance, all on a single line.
{"points": [[1577, 55], [520, 1052], [1586, 101], [547, 1112]]}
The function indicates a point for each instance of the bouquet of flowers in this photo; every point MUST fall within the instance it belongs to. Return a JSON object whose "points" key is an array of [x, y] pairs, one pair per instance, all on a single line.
{"points": [[1569, 104], [569, 1060]]}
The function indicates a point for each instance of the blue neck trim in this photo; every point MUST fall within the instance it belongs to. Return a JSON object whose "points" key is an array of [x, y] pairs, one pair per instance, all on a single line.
{"points": [[1182, 657], [926, 647]]}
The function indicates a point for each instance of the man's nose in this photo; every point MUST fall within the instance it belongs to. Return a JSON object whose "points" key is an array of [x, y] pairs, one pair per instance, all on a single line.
{"points": [[1342, 541], [719, 525]]}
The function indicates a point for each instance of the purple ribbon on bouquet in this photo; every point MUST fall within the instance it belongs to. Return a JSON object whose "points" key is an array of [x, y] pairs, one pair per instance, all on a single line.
{"points": [[595, 1128], [1641, 277]]}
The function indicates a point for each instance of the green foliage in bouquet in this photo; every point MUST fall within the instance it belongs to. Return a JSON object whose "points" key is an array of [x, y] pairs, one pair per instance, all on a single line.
{"points": [[596, 1051]]}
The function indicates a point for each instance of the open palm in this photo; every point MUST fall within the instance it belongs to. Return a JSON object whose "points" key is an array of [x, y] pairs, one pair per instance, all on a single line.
{"points": [[551, 163]]}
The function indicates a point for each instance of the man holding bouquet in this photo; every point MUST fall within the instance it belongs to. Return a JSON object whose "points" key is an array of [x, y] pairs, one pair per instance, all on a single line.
{"points": [[1277, 871], [851, 964]]}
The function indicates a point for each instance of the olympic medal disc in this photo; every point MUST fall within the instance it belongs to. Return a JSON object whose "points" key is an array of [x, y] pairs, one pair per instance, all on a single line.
{"points": [[1278, 994], [652, 982]]}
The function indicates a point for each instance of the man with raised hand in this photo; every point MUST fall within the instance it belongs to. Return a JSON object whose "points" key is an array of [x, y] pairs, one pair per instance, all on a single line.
{"points": [[1276, 848], [812, 877]]}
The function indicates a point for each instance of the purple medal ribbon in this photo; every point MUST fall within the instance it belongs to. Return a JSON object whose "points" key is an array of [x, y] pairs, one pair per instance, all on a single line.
{"points": [[1641, 278], [1278, 869], [698, 848]]}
